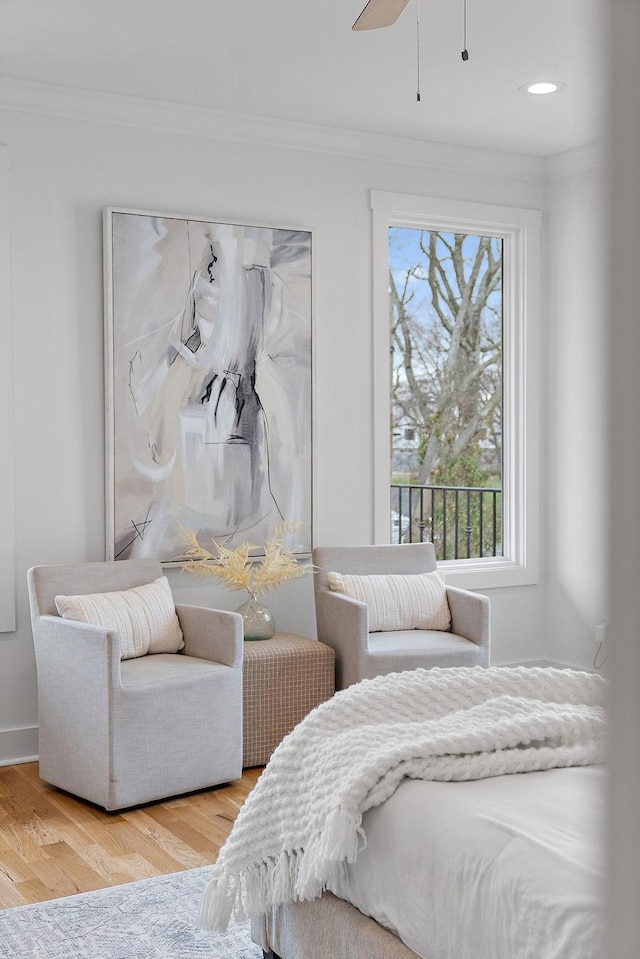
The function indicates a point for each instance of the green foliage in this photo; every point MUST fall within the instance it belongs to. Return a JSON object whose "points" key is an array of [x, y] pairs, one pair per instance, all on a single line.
{"points": [[462, 470]]}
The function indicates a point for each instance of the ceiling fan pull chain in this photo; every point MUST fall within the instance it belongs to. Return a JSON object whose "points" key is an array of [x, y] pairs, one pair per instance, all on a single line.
{"points": [[418, 48], [465, 52]]}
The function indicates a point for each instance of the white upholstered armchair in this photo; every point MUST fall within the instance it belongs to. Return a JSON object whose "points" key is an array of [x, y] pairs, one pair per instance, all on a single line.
{"points": [[124, 731], [345, 622]]}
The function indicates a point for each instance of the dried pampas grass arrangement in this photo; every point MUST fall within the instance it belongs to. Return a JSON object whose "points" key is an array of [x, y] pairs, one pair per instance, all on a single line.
{"points": [[238, 569]]}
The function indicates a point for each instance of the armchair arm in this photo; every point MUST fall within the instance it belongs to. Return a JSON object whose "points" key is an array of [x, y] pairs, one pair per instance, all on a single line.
{"points": [[470, 616], [343, 624], [78, 666], [77, 652], [213, 634]]}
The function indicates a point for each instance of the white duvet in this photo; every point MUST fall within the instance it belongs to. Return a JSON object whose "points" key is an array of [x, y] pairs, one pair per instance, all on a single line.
{"points": [[302, 825], [509, 867]]}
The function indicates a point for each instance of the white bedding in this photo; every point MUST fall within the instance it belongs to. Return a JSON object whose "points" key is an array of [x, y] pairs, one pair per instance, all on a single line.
{"points": [[509, 867], [303, 820]]}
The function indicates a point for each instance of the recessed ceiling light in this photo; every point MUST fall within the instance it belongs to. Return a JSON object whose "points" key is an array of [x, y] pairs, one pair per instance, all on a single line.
{"points": [[542, 87]]}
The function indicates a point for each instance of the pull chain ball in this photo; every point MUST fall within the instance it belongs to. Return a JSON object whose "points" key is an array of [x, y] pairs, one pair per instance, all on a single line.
{"points": [[418, 50], [465, 52]]}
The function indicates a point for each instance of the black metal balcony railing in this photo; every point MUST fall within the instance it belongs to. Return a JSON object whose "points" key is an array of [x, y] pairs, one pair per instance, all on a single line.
{"points": [[463, 522]]}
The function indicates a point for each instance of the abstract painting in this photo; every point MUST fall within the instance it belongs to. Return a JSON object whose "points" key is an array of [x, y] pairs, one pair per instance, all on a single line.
{"points": [[208, 383]]}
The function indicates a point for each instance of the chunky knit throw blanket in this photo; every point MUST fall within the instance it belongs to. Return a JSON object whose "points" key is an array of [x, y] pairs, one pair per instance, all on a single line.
{"points": [[302, 821]]}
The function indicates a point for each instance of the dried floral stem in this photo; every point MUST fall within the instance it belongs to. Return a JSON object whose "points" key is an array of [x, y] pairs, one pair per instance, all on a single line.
{"points": [[238, 570]]}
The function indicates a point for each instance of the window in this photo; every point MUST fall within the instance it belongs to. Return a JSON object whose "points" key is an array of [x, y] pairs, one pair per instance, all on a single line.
{"points": [[446, 311], [456, 291]]}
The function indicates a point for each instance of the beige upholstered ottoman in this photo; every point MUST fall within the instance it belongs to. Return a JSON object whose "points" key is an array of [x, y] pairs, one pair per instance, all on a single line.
{"points": [[284, 678]]}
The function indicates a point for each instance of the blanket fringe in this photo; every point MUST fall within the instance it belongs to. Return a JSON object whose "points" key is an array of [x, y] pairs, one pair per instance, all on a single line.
{"points": [[254, 891], [342, 836], [340, 841], [217, 903], [284, 876], [294, 875]]}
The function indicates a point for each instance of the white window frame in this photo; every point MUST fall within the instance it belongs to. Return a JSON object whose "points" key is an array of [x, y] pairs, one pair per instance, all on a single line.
{"points": [[520, 231]]}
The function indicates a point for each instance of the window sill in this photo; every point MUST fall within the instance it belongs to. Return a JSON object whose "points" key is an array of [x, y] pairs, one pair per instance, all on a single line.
{"points": [[487, 573]]}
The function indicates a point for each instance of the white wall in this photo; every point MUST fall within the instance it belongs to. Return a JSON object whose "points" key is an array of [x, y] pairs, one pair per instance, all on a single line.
{"points": [[7, 503], [623, 229], [65, 169], [575, 416]]}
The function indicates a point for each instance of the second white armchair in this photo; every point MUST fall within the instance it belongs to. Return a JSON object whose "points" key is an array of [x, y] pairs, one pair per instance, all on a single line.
{"points": [[363, 649]]}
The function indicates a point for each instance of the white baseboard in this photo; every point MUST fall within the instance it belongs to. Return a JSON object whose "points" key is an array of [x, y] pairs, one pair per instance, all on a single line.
{"points": [[541, 662], [18, 745], [548, 663]]}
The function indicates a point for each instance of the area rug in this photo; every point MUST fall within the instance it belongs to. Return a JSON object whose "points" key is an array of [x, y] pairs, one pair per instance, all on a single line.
{"points": [[150, 919]]}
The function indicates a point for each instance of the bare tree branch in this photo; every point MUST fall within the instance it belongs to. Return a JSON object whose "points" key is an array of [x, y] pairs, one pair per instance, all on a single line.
{"points": [[447, 350]]}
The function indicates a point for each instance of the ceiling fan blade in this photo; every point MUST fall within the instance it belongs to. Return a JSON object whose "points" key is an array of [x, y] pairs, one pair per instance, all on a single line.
{"points": [[379, 13]]}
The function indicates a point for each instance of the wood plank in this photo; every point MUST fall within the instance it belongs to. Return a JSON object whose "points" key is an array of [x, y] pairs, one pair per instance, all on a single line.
{"points": [[79, 811], [53, 844], [58, 881], [176, 840], [14, 869], [11, 893], [83, 876], [33, 890], [204, 831], [13, 836], [90, 852], [112, 871], [22, 806], [30, 772], [139, 866]]}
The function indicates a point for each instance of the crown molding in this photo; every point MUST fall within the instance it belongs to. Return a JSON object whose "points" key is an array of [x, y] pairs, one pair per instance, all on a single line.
{"points": [[571, 162], [27, 96]]}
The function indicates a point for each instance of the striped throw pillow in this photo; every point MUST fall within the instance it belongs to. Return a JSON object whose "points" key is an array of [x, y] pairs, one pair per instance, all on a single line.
{"points": [[144, 616], [412, 601]]}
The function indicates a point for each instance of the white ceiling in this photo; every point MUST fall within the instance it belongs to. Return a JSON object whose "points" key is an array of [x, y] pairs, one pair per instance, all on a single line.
{"points": [[299, 60]]}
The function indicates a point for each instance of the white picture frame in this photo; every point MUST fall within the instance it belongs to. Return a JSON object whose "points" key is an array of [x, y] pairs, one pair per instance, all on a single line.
{"points": [[208, 384]]}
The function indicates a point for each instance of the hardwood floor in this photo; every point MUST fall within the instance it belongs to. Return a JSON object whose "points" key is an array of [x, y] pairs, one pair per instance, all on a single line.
{"points": [[52, 844]]}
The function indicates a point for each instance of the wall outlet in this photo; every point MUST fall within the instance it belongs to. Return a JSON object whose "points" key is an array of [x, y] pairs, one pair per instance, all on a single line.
{"points": [[601, 632]]}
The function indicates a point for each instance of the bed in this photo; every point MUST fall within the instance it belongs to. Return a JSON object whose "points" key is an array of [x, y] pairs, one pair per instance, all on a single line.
{"points": [[478, 836]]}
